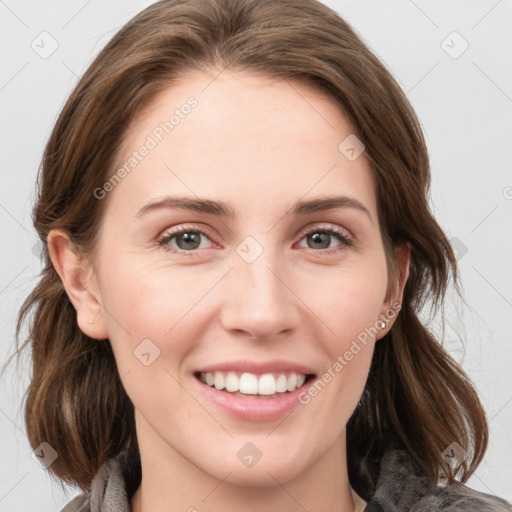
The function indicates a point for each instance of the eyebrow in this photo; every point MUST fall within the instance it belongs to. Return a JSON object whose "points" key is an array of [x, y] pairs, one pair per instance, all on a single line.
{"points": [[222, 209]]}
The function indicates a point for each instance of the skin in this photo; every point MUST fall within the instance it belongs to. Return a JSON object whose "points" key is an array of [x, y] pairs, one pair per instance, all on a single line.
{"points": [[259, 145]]}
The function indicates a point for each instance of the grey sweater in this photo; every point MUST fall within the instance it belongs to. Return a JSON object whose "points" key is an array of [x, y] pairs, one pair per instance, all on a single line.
{"points": [[401, 487]]}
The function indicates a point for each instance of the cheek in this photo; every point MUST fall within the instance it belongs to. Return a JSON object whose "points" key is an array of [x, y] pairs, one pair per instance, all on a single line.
{"points": [[144, 299], [142, 295], [355, 297], [140, 305], [147, 331], [352, 308]]}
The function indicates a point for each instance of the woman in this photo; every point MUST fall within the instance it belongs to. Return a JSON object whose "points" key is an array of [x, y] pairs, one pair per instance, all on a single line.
{"points": [[193, 348]]}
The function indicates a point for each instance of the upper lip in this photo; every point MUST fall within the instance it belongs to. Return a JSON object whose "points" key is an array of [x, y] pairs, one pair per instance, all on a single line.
{"points": [[261, 367]]}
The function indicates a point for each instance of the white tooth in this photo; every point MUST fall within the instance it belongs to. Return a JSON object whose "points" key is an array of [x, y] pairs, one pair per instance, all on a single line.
{"points": [[219, 381], [291, 383], [232, 382], [249, 384], [281, 384], [267, 384]]}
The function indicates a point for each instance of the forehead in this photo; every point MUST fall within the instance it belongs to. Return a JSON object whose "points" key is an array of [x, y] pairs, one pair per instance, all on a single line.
{"points": [[242, 136]]}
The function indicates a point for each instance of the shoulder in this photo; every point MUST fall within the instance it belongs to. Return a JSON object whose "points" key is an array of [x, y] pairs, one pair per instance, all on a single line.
{"points": [[403, 486], [460, 498]]}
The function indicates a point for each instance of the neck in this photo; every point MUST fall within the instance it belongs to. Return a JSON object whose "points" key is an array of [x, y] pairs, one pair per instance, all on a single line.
{"points": [[172, 482]]}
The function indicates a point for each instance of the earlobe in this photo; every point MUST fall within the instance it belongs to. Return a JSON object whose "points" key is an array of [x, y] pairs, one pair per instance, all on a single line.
{"points": [[393, 306], [75, 275]]}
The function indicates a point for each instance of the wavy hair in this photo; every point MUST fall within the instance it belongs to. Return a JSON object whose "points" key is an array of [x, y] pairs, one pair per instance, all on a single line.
{"points": [[415, 391]]}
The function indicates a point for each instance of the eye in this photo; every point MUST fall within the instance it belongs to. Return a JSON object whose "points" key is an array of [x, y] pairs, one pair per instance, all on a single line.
{"points": [[188, 240], [320, 239], [183, 240]]}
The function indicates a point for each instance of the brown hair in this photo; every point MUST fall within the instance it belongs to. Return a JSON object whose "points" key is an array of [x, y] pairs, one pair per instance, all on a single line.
{"points": [[415, 391]]}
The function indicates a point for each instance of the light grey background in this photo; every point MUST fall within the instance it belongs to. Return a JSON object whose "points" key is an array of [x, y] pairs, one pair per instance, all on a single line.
{"points": [[464, 101]]}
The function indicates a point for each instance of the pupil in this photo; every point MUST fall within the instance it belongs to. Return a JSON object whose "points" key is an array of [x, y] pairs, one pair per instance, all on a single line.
{"points": [[191, 240], [317, 239]]}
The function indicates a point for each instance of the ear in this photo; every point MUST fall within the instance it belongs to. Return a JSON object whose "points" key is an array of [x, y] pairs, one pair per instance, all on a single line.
{"points": [[80, 284], [392, 306]]}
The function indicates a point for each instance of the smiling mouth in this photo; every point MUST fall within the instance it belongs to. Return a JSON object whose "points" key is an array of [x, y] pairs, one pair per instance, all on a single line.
{"points": [[249, 385]]}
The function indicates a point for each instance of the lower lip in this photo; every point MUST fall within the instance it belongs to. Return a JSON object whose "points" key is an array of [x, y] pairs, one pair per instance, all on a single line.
{"points": [[254, 409]]}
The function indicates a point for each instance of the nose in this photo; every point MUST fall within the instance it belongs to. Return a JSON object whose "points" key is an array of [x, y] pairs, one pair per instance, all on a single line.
{"points": [[258, 299]]}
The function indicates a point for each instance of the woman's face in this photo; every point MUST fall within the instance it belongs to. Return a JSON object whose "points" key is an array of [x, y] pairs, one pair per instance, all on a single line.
{"points": [[251, 272]]}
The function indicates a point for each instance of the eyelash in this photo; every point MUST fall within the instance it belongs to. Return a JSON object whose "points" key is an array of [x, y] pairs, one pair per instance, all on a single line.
{"points": [[342, 236]]}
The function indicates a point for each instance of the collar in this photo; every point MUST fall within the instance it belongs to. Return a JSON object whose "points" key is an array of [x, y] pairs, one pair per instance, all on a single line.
{"points": [[402, 486]]}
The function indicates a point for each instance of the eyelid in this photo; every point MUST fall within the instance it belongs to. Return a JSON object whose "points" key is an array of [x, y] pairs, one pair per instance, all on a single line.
{"points": [[169, 234], [346, 237], [322, 226]]}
